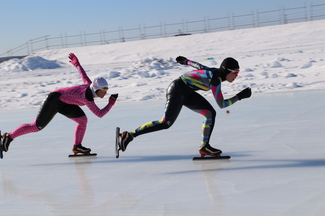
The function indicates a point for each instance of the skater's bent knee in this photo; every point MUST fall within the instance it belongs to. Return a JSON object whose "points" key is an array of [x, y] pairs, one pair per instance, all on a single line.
{"points": [[39, 127], [166, 124]]}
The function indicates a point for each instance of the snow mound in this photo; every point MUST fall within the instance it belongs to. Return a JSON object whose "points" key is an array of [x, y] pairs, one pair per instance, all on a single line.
{"points": [[275, 64], [292, 85], [28, 64], [308, 64], [147, 68], [290, 75]]}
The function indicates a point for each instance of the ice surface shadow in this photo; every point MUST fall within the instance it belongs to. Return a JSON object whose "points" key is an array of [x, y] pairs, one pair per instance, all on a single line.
{"points": [[288, 163], [134, 159], [128, 159], [272, 164], [173, 157]]}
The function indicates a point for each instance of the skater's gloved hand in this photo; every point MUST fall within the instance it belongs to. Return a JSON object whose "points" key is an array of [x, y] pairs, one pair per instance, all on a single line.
{"points": [[112, 98], [246, 93], [74, 60], [182, 60]]}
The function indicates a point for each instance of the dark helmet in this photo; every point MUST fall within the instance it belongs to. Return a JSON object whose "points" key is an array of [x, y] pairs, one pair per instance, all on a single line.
{"points": [[228, 63]]}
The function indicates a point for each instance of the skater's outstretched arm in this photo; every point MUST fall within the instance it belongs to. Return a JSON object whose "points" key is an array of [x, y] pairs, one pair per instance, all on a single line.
{"points": [[218, 96], [222, 103], [101, 112], [184, 61], [74, 61]]}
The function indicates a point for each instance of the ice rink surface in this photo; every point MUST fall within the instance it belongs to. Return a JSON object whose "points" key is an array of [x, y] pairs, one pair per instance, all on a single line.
{"points": [[276, 141]]}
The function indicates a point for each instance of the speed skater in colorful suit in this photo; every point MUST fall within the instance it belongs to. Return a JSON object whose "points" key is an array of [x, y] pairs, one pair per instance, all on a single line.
{"points": [[182, 92], [67, 101]]}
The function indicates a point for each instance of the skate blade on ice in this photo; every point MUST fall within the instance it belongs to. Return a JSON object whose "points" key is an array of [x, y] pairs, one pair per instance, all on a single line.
{"points": [[1, 146], [219, 157], [83, 155], [117, 143]]}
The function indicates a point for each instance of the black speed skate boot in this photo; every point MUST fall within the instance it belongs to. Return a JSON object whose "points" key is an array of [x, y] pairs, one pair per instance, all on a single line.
{"points": [[80, 149], [6, 140], [126, 138], [208, 150]]}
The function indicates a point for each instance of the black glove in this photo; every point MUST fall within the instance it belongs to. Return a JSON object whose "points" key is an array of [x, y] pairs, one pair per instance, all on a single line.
{"points": [[246, 93], [182, 60], [113, 97]]}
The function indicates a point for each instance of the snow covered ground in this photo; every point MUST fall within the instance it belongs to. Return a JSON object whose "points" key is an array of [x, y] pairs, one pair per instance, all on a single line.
{"points": [[272, 59], [275, 138]]}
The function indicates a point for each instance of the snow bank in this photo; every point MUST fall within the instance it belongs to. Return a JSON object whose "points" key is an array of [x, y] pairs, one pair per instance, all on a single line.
{"points": [[147, 68], [28, 64]]}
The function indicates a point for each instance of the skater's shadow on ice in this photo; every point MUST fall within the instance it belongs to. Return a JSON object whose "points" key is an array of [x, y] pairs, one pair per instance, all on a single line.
{"points": [[155, 158], [175, 157], [172, 157], [267, 164], [124, 159], [288, 163]]}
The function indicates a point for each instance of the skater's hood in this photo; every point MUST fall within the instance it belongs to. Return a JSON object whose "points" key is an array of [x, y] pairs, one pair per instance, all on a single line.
{"points": [[97, 84]]}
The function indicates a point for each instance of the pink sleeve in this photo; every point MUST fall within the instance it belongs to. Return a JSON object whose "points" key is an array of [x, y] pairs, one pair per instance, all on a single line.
{"points": [[99, 112], [83, 75]]}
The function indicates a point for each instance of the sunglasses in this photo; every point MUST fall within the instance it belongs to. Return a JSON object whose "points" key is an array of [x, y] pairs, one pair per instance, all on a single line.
{"points": [[104, 89], [234, 71]]}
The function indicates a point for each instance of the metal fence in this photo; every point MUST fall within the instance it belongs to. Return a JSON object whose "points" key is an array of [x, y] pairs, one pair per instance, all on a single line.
{"points": [[142, 32]]}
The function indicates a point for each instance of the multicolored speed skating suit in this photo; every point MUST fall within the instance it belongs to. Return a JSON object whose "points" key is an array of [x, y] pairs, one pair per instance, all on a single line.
{"points": [[182, 92]]}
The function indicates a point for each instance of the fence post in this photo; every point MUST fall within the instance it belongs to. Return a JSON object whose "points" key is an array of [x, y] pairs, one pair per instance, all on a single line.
{"points": [[257, 19], [206, 30], [164, 29], [62, 42], [101, 37], [230, 21], [144, 31], [140, 32], [83, 40], [283, 16], [120, 31], [311, 11], [184, 23], [208, 23], [46, 42], [31, 46], [306, 13]]}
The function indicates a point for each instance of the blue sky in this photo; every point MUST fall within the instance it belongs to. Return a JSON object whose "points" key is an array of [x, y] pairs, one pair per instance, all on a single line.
{"points": [[22, 20]]}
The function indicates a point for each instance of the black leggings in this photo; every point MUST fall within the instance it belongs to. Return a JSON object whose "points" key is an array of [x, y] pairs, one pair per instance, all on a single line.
{"points": [[179, 95], [52, 105]]}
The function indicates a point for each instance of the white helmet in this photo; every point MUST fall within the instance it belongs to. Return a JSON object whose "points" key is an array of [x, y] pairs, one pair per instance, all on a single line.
{"points": [[97, 84]]}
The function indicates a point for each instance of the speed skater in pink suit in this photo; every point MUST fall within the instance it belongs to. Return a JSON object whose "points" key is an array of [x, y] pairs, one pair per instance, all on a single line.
{"points": [[67, 101], [182, 92]]}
